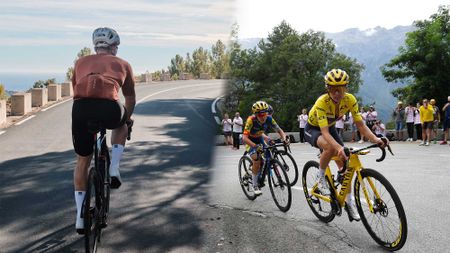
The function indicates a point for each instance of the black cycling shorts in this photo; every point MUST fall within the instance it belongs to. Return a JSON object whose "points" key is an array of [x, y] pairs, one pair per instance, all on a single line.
{"points": [[110, 114], [312, 133]]}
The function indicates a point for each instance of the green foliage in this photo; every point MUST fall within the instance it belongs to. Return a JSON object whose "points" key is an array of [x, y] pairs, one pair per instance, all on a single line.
{"points": [[286, 70], [44, 84], [157, 75], [177, 65], [214, 62], [424, 62], [3, 94], [83, 52]]}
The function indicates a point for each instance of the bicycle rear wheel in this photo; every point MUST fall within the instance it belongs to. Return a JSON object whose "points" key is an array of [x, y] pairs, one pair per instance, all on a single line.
{"points": [[279, 186], [289, 165], [322, 210], [387, 223], [245, 176], [91, 213]]}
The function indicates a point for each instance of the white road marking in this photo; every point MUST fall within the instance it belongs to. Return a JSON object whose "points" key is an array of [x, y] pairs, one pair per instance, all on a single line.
{"points": [[45, 109], [175, 88], [23, 121], [2, 132], [297, 188]]}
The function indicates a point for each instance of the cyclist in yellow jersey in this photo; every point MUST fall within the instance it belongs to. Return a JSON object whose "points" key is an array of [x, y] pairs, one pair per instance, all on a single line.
{"points": [[254, 136], [321, 133]]}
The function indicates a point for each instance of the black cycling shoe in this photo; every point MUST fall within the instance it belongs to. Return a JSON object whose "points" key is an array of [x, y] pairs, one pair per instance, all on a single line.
{"points": [[80, 231], [115, 183]]}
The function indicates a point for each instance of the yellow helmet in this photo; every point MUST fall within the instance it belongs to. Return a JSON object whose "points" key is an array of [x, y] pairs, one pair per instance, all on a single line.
{"points": [[432, 101], [260, 106], [336, 77]]}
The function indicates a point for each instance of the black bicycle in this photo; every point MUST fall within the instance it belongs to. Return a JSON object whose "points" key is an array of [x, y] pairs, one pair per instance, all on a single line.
{"points": [[288, 162], [96, 203], [279, 185]]}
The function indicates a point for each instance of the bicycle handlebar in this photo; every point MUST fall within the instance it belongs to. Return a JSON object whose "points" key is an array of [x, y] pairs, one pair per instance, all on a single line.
{"points": [[383, 150]]}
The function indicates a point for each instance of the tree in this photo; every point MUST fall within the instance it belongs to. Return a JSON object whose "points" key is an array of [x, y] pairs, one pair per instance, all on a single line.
{"points": [[43, 84], [3, 94], [286, 70], [200, 61], [219, 59], [423, 63], [177, 65], [83, 52]]}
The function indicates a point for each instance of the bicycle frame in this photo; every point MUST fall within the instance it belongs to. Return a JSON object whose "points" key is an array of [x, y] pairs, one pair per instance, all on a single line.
{"points": [[354, 167]]}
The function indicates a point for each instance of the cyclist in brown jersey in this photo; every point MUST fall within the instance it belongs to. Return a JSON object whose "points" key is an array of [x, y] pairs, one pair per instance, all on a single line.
{"points": [[96, 82]]}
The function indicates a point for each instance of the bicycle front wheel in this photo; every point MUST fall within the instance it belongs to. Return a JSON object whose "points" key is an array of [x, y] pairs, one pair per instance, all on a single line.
{"points": [[290, 166], [386, 223], [91, 213], [321, 209], [245, 177], [279, 186]]}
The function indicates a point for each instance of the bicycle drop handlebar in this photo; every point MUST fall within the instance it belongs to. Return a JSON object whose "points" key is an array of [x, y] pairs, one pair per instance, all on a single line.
{"points": [[383, 150]]}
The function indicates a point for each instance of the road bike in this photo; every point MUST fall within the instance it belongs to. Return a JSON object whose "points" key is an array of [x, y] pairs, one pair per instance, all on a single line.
{"points": [[96, 202], [288, 162], [277, 177], [378, 204]]}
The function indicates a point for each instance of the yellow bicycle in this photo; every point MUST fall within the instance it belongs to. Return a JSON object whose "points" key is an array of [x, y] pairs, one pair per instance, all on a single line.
{"points": [[378, 204]]}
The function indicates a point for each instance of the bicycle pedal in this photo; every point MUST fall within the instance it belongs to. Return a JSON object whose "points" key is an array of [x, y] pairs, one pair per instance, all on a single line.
{"points": [[80, 231]]}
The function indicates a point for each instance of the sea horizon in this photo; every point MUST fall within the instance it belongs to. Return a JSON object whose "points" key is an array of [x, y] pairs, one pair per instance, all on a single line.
{"points": [[16, 81]]}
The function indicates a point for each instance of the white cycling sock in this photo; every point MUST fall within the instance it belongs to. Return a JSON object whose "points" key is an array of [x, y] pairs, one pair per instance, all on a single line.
{"points": [[321, 173], [79, 198], [116, 155], [255, 180], [349, 197]]}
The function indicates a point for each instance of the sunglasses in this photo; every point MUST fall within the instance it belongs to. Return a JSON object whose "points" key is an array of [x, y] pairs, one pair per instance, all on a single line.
{"points": [[340, 89], [261, 114]]}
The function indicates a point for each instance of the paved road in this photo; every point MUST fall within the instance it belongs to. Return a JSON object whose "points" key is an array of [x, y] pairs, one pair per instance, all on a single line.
{"points": [[420, 176], [181, 193], [162, 204]]}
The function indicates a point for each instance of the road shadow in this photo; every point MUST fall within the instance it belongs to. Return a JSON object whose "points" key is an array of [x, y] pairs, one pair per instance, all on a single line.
{"points": [[158, 207]]}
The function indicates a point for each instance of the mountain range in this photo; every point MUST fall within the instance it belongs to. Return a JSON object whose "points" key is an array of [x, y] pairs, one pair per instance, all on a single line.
{"points": [[372, 47]]}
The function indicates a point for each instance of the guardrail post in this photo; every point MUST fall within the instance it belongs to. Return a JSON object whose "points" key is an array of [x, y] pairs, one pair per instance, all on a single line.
{"points": [[54, 92], [66, 89], [39, 97], [20, 103]]}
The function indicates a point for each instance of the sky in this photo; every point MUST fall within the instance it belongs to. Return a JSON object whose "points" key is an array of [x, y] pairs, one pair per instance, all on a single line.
{"points": [[45, 36], [256, 18]]}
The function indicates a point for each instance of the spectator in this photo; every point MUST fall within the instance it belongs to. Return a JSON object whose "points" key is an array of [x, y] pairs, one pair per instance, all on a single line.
{"points": [[417, 122], [399, 118], [446, 120], [409, 113], [237, 130], [352, 126], [426, 117], [227, 127], [371, 117], [340, 127], [379, 128], [302, 119], [364, 117], [436, 120]]}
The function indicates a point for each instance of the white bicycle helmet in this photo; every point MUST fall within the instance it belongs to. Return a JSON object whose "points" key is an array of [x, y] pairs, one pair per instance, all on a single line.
{"points": [[105, 37]]}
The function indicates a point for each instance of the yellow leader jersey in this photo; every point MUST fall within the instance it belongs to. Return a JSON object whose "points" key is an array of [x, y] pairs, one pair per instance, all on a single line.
{"points": [[325, 113]]}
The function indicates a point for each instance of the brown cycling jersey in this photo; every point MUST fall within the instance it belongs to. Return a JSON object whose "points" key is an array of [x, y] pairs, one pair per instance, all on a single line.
{"points": [[101, 76]]}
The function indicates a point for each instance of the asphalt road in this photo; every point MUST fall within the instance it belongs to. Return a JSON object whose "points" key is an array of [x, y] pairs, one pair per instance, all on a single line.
{"points": [[163, 202], [181, 192], [420, 176]]}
